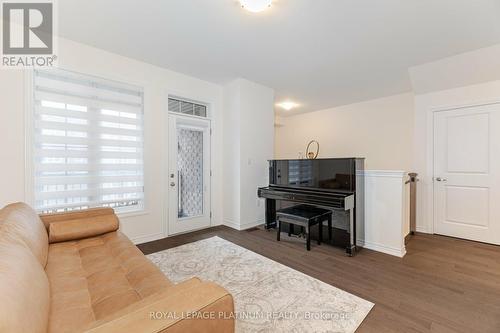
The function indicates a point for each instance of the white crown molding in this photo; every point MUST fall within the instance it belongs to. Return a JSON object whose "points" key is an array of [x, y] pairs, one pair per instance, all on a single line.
{"points": [[385, 173]]}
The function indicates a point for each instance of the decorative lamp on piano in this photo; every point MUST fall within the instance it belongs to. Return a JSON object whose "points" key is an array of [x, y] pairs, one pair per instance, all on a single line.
{"points": [[310, 154]]}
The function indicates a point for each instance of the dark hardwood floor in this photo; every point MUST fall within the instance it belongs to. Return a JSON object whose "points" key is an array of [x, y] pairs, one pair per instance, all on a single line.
{"points": [[442, 285]]}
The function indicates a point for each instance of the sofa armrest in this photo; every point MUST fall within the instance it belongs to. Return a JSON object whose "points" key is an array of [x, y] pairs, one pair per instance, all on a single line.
{"points": [[75, 215], [80, 224], [191, 306]]}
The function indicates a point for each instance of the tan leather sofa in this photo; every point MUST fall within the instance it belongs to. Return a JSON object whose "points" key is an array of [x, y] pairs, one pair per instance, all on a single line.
{"points": [[75, 272]]}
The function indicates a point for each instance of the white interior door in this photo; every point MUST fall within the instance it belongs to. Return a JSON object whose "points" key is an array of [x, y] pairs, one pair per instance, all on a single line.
{"points": [[188, 174], [466, 173]]}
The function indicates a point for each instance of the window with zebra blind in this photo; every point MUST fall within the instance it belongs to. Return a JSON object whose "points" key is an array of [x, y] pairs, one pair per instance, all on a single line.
{"points": [[87, 143]]}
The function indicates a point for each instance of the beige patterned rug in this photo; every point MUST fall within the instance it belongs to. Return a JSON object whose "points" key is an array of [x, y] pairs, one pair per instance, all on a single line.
{"points": [[268, 296]]}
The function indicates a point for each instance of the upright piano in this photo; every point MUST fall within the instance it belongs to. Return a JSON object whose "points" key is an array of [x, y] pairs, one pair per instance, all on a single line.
{"points": [[332, 183]]}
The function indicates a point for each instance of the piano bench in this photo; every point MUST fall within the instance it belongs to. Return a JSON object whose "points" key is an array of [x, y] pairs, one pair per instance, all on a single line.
{"points": [[305, 216]]}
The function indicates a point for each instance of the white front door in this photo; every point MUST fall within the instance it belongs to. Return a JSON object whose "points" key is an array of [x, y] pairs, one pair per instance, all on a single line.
{"points": [[188, 174], [467, 173]]}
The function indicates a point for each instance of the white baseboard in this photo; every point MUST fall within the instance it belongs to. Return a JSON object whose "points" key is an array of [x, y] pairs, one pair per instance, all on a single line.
{"points": [[231, 224], [423, 230], [216, 223], [245, 226], [393, 251], [147, 238]]}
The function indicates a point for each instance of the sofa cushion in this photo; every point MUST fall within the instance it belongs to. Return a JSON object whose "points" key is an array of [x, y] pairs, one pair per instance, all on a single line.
{"points": [[82, 228], [96, 277], [24, 288], [20, 221]]}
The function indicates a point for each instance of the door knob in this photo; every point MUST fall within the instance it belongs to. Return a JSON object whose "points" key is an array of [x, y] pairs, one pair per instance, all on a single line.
{"points": [[172, 184], [439, 179]]}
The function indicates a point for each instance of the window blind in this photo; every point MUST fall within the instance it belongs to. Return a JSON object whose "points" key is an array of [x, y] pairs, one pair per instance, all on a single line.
{"points": [[88, 143]]}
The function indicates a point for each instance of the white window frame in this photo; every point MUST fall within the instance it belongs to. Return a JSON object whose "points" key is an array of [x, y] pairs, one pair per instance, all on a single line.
{"points": [[29, 83]]}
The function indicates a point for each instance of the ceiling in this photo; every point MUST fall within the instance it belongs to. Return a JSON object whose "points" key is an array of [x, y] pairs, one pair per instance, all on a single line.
{"points": [[318, 53]]}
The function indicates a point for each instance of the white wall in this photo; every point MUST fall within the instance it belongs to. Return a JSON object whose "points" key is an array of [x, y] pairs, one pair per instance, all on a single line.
{"points": [[425, 104], [157, 83], [396, 132], [380, 130], [248, 144], [257, 147], [11, 137], [466, 79], [466, 69], [232, 150]]}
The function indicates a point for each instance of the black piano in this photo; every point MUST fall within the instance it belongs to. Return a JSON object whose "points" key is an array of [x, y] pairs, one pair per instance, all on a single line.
{"points": [[332, 183]]}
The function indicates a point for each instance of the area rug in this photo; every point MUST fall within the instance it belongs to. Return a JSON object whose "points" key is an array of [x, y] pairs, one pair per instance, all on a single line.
{"points": [[268, 296]]}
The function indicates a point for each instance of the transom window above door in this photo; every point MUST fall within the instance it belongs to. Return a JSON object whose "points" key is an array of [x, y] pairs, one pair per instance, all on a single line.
{"points": [[185, 107], [87, 146]]}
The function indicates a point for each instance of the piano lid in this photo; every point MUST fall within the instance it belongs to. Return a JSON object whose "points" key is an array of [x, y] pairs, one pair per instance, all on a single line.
{"points": [[318, 159], [327, 174]]}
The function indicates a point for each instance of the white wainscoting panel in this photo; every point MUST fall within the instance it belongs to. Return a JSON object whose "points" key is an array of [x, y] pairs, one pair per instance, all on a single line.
{"points": [[386, 212]]}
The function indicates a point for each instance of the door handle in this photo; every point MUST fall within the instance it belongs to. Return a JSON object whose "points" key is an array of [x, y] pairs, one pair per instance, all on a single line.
{"points": [[172, 184], [439, 179]]}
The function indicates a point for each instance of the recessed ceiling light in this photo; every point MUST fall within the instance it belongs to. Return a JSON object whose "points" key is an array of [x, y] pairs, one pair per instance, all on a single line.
{"points": [[287, 105], [256, 6]]}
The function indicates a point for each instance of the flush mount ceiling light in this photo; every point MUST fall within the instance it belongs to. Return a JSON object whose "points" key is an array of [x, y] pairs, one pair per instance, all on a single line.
{"points": [[287, 105], [255, 6]]}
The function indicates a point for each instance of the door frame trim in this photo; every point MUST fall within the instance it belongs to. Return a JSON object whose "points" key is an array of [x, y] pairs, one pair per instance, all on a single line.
{"points": [[211, 117], [167, 173], [431, 113]]}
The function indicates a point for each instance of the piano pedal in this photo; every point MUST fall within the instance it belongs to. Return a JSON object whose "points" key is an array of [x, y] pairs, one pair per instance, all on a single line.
{"points": [[299, 235]]}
